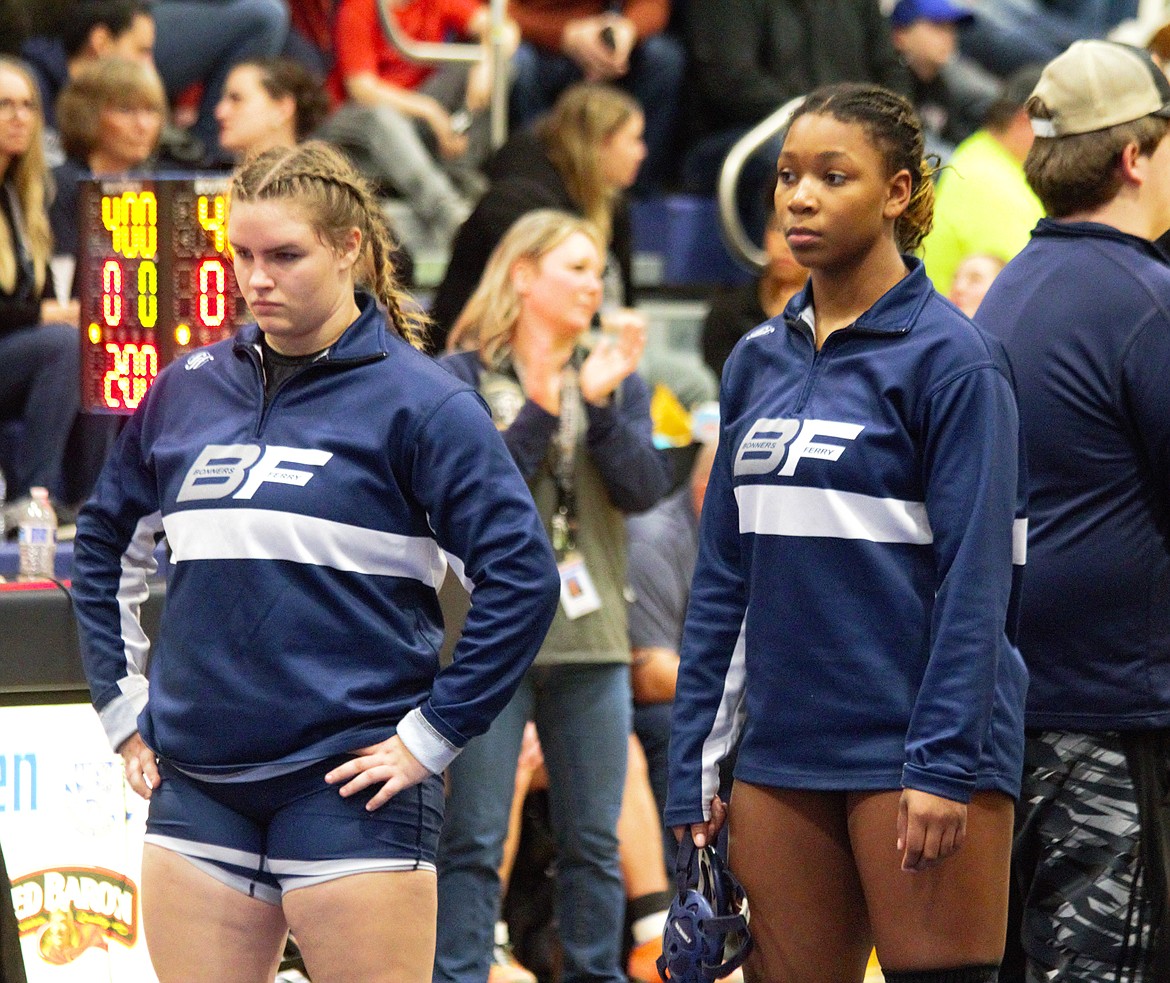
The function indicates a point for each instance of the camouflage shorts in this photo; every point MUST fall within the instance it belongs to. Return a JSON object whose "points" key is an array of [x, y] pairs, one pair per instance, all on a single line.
{"points": [[1089, 896]]}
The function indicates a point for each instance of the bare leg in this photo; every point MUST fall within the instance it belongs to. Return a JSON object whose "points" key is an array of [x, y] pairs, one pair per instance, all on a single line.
{"points": [[952, 915], [639, 830], [366, 928], [530, 775], [791, 851], [198, 929]]}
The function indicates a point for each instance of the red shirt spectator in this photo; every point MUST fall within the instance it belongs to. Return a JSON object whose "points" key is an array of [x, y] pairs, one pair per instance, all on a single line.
{"points": [[542, 22], [314, 20], [362, 45]]}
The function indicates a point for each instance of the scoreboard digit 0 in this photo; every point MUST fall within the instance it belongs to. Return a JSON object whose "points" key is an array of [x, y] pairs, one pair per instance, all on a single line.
{"points": [[155, 283]]}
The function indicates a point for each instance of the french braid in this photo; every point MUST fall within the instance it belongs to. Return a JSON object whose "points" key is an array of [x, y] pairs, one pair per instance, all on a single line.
{"points": [[319, 178]]}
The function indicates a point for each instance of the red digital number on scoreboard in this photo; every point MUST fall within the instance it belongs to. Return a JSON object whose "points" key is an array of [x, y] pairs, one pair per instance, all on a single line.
{"points": [[134, 368], [212, 283]]}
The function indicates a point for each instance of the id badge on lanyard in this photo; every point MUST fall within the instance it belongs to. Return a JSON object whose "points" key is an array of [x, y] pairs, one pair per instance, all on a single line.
{"points": [[578, 594]]}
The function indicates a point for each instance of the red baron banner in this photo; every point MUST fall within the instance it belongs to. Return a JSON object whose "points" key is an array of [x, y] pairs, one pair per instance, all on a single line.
{"points": [[72, 835]]}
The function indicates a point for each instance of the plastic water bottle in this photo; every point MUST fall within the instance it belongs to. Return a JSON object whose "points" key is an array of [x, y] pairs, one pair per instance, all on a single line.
{"points": [[38, 537]]}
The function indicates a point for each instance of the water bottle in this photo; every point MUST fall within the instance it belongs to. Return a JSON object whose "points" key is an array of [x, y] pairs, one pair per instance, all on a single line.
{"points": [[3, 502], [38, 537]]}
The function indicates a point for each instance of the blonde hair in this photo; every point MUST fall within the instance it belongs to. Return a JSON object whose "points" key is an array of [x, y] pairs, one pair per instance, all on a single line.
{"points": [[26, 176], [319, 178], [100, 85], [585, 115], [489, 318]]}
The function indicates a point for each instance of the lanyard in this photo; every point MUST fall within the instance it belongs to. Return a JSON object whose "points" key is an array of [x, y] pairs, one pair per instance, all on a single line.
{"points": [[564, 519]]}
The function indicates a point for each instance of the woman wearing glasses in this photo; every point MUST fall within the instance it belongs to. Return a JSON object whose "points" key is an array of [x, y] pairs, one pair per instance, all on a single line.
{"points": [[38, 337]]}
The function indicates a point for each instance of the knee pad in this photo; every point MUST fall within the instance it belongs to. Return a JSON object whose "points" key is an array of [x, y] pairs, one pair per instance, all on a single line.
{"points": [[959, 974]]}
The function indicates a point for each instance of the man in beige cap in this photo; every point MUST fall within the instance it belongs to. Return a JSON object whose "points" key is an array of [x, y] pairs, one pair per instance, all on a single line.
{"points": [[1084, 313]]}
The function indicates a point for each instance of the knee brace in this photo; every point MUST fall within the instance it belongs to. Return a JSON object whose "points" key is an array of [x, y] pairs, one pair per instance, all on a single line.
{"points": [[959, 974]]}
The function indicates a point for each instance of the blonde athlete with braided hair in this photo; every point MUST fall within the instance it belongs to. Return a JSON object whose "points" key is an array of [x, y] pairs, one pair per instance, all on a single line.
{"points": [[852, 610], [314, 478]]}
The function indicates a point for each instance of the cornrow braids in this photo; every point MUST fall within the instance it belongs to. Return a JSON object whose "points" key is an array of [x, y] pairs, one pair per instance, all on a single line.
{"points": [[320, 178], [893, 125]]}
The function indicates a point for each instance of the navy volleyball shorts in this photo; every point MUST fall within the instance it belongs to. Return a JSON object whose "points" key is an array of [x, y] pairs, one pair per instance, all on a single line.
{"points": [[267, 837]]}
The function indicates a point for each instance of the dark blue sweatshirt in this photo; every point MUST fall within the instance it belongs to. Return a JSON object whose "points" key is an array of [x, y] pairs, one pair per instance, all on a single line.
{"points": [[854, 600], [308, 539], [1084, 312]]}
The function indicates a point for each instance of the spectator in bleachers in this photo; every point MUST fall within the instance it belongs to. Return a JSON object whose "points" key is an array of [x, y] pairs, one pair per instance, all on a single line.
{"points": [[752, 56], [951, 92], [97, 29], [38, 337], [268, 102], [621, 43], [94, 29], [420, 129], [984, 204], [973, 278], [581, 158], [577, 422], [736, 311], [277, 102], [1006, 35], [198, 41], [110, 115]]}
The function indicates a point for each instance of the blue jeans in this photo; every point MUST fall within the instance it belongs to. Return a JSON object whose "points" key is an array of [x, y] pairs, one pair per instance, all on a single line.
{"points": [[654, 79], [200, 40], [39, 386], [582, 713], [1009, 34]]}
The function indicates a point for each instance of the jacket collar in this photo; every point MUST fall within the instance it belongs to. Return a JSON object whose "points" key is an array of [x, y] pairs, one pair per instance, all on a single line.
{"points": [[366, 339], [894, 312], [1049, 228]]}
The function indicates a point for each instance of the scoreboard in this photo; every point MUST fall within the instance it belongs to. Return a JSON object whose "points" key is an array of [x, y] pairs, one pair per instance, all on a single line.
{"points": [[155, 282]]}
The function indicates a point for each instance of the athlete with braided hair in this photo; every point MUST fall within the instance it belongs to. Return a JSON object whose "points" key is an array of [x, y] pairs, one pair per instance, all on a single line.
{"points": [[314, 478], [852, 610], [337, 200]]}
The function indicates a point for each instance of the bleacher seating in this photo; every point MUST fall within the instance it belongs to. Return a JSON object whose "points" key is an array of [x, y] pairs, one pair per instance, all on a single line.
{"points": [[678, 243]]}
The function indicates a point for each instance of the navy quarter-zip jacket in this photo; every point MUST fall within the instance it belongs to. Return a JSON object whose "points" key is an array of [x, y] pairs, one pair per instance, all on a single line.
{"points": [[308, 539], [852, 609]]}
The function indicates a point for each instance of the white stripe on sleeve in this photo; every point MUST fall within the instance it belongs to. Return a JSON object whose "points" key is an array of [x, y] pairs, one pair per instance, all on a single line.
{"points": [[728, 719], [1020, 542]]}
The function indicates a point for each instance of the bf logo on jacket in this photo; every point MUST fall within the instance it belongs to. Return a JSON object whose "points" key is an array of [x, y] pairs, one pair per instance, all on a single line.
{"points": [[777, 445], [221, 469]]}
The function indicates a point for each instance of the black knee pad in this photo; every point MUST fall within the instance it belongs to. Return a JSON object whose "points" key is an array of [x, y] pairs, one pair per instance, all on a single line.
{"points": [[959, 974]]}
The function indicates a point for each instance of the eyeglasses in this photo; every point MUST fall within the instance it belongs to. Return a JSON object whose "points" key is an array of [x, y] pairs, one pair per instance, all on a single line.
{"points": [[10, 107]]}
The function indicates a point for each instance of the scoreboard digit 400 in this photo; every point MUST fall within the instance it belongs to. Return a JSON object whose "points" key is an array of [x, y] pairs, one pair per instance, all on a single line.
{"points": [[156, 282]]}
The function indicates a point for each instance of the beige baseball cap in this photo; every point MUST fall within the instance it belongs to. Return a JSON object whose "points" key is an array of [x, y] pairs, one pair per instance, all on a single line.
{"points": [[1098, 84]]}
